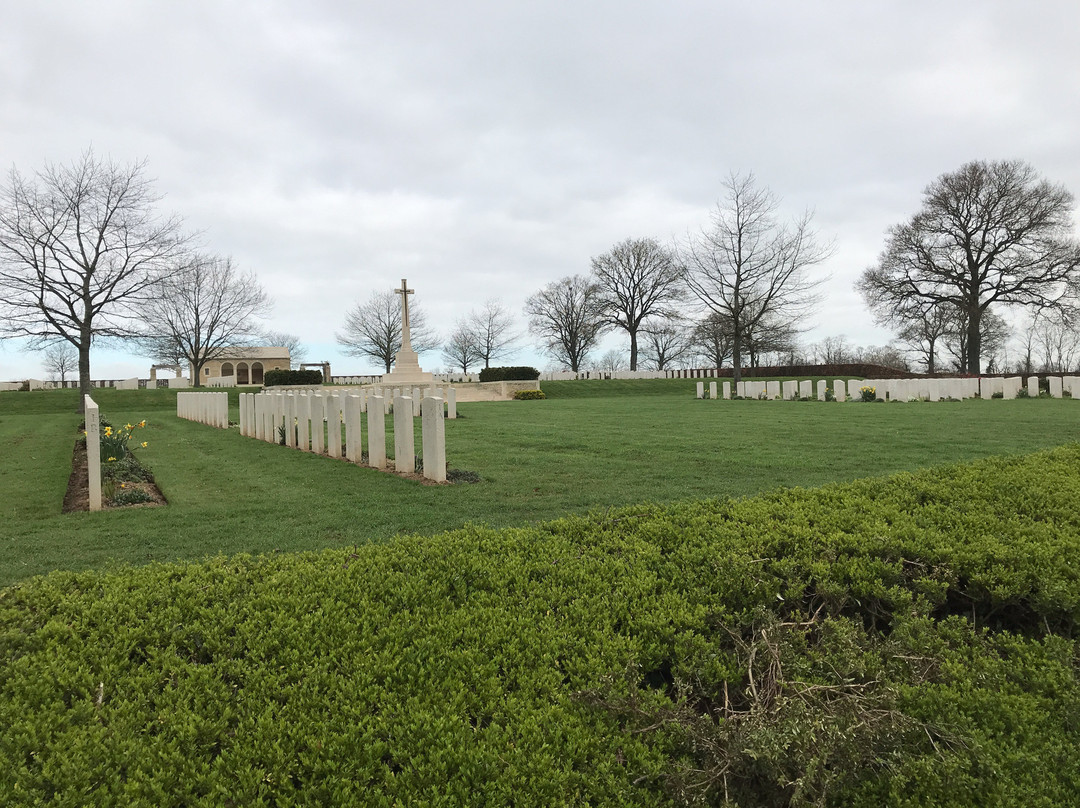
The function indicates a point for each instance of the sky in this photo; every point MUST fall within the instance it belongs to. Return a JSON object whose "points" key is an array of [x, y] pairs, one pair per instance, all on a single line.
{"points": [[485, 149]]}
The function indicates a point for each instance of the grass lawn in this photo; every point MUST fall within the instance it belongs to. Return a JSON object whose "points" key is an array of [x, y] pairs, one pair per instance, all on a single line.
{"points": [[590, 445]]}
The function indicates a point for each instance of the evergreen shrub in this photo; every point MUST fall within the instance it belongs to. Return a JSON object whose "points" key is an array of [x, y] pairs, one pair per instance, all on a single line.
{"points": [[273, 378], [509, 374], [909, 640]]}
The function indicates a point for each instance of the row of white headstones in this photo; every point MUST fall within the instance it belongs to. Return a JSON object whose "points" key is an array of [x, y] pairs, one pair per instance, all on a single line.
{"points": [[896, 389], [312, 421]]}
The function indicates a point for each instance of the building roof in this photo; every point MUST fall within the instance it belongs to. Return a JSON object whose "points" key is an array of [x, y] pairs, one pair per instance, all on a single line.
{"points": [[243, 353]]}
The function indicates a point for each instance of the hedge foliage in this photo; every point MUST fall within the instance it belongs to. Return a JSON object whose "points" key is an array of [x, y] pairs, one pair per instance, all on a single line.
{"points": [[509, 374], [273, 378], [906, 641], [529, 395]]}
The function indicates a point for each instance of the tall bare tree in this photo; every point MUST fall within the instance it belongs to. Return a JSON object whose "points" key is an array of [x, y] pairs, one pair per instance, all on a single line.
{"points": [[60, 359], [567, 316], [751, 268], [638, 279], [81, 247], [200, 312], [1057, 339], [462, 348], [988, 233], [492, 327], [373, 329]]}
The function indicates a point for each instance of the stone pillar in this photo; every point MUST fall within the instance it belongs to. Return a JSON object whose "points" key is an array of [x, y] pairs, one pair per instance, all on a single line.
{"points": [[376, 432], [404, 444], [433, 438], [93, 450], [1033, 386], [451, 403]]}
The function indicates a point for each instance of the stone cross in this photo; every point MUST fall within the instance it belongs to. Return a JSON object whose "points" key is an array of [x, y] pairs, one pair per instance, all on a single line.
{"points": [[405, 291]]}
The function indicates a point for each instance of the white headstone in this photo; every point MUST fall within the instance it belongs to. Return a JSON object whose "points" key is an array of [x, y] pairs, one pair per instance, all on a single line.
{"points": [[839, 390], [712, 390], [1033, 386], [404, 451], [822, 386], [791, 390], [727, 391], [433, 437], [772, 390], [1055, 386], [376, 432], [701, 389]]}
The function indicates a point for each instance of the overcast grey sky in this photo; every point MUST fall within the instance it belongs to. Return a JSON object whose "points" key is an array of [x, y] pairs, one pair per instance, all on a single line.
{"points": [[484, 149]]}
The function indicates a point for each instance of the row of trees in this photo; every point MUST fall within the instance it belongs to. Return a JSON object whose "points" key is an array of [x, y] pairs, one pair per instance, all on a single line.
{"points": [[988, 237], [85, 256], [746, 274]]}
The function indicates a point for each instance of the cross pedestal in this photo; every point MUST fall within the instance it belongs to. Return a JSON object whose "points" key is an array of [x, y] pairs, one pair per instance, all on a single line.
{"points": [[406, 361]]}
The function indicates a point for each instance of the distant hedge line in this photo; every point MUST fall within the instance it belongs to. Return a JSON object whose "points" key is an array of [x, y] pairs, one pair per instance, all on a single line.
{"points": [[902, 641], [273, 378], [509, 374]]}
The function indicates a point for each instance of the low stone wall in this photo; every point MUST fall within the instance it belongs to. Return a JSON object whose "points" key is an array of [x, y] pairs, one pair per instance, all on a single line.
{"points": [[913, 389]]}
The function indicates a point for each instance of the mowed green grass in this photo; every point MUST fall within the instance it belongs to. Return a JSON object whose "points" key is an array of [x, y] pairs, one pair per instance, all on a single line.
{"points": [[582, 449]]}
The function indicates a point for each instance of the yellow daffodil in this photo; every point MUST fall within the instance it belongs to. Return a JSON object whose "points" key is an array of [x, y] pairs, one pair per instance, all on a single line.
{"points": [[111, 459], [144, 444], [128, 427], [142, 422]]}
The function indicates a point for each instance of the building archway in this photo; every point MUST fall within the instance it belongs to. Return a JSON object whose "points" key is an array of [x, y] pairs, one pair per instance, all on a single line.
{"points": [[256, 373], [226, 369], [241, 373]]}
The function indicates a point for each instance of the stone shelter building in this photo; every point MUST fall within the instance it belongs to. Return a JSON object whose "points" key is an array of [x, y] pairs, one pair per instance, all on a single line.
{"points": [[246, 363]]}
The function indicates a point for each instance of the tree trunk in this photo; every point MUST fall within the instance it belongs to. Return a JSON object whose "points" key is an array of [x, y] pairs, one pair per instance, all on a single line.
{"points": [[974, 340], [633, 349], [736, 357]]}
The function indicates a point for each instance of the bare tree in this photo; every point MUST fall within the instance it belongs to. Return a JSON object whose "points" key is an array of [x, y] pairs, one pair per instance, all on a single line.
{"points": [[749, 267], [1052, 342], [665, 342], [711, 338], [610, 361], [81, 247], [988, 233], [60, 360], [373, 329], [461, 348], [200, 312], [832, 350], [923, 329], [281, 339], [994, 333], [493, 331], [637, 279], [567, 316]]}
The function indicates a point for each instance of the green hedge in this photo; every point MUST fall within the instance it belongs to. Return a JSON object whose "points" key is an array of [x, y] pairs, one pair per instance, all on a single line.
{"points": [[529, 395], [923, 629], [273, 378], [509, 374]]}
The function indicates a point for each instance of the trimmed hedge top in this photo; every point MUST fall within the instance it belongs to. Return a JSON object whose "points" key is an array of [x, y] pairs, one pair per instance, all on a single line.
{"points": [[509, 374], [549, 665], [273, 378]]}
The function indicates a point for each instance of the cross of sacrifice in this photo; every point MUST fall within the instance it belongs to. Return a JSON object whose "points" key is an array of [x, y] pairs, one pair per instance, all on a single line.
{"points": [[404, 291]]}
